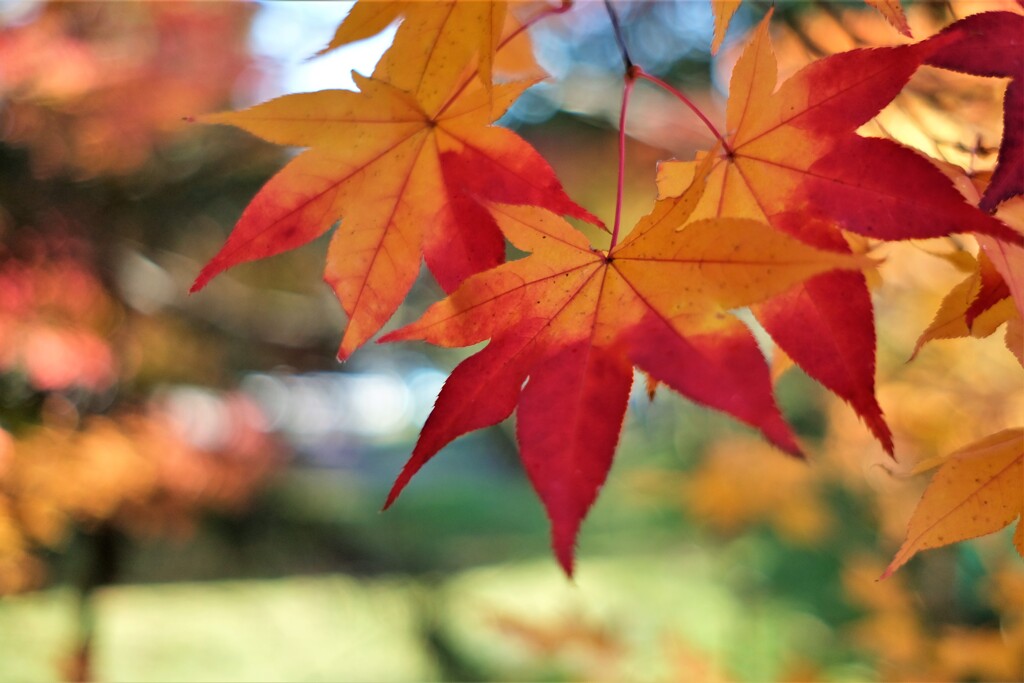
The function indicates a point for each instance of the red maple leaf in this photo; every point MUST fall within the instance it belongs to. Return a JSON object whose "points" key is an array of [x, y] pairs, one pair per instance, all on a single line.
{"points": [[572, 321], [992, 44]]}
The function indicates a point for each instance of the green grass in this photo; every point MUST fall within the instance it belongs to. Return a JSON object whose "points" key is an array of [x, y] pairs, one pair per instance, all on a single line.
{"points": [[338, 628]]}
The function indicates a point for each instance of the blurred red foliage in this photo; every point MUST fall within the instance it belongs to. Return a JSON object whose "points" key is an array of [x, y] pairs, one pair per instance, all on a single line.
{"points": [[54, 316], [93, 88], [142, 471]]}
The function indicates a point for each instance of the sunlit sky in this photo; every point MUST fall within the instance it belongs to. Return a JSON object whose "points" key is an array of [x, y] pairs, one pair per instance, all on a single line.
{"points": [[287, 34]]}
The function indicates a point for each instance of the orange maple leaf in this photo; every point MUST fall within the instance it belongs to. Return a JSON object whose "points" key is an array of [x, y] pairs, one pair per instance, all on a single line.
{"points": [[993, 292], [975, 307], [1008, 261], [392, 166], [575, 320], [722, 11], [435, 42], [892, 10], [978, 490]]}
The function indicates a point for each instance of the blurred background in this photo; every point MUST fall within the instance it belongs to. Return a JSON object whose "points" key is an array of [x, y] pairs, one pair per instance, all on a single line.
{"points": [[190, 485]]}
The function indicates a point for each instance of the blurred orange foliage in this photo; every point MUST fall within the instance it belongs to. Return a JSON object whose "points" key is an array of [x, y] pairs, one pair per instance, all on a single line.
{"points": [[142, 473], [911, 647], [743, 481]]}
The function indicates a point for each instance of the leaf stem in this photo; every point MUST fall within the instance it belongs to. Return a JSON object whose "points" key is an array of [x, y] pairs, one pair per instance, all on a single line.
{"points": [[619, 38], [630, 81], [633, 72], [640, 73]]}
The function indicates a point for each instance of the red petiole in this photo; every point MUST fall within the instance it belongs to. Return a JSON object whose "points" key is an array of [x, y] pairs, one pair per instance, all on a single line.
{"points": [[633, 72], [640, 73], [630, 81]]}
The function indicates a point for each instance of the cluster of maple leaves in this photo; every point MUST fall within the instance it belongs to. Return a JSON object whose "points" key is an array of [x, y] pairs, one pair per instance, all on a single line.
{"points": [[771, 219]]}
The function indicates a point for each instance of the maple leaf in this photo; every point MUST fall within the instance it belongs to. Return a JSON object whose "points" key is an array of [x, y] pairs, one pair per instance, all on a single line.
{"points": [[723, 11], [993, 292], [384, 165], [1007, 260], [976, 307], [574, 321], [976, 491], [892, 10], [793, 159], [992, 44], [433, 45]]}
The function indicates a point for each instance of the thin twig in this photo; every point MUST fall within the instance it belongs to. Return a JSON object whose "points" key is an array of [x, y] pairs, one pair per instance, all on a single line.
{"points": [[640, 73], [619, 38]]}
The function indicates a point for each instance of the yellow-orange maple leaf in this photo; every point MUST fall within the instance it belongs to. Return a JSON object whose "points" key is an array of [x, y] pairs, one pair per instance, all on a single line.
{"points": [[892, 10], [1008, 261], [978, 490], [723, 11], [993, 293], [434, 44], [406, 178], [975, 307]]}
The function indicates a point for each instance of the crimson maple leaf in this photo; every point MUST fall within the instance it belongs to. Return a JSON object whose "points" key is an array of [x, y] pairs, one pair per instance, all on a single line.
{"points": [[794, 160], [572, 321], [992, 44]]}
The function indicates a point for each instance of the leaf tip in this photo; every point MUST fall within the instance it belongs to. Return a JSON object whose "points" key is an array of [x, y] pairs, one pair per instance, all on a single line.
{"points": [[404, 477], [351, 341], [566, 561], [211, 118], [891, 569], [319, 53], [794, 450], [563, 541], [345, 349], [876, 424], [401, 334], [780, 434], [209, 271]]}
